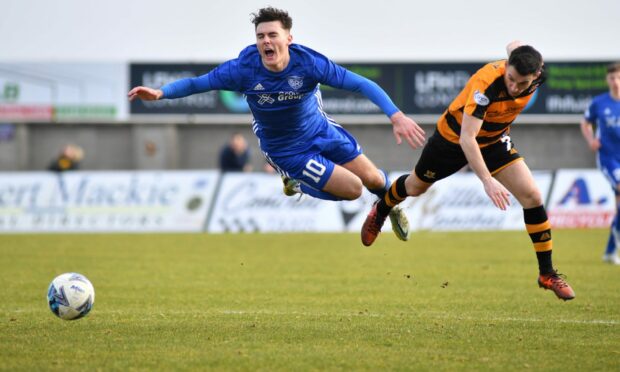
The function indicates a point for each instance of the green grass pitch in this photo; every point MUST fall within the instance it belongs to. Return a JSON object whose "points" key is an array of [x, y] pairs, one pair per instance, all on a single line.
{"points": [[442, 301]]}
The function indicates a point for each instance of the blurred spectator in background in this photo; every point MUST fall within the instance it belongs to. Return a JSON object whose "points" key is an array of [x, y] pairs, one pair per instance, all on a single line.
{"points": [[68, 159], [235, 155], [604, 114], [150, 148]]}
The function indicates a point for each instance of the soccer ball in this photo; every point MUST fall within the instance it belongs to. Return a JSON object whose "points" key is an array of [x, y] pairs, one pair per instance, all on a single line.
{"points": [[70, 296]]}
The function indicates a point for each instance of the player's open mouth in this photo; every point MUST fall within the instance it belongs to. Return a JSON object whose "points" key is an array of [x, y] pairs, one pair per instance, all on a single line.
{"points": [[269, 53]]}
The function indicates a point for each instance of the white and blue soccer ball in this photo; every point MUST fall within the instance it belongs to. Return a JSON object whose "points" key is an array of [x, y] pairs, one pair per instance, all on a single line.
{"points": [[71, 296]]}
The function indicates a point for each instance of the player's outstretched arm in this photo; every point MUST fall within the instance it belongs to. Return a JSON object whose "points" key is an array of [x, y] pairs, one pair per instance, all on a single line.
{"points": [[145, 94], [512, 46], [403, 126]]}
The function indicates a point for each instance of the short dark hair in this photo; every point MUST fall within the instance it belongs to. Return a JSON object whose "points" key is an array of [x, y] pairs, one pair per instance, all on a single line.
{"points": [[613, 67], [270, 14], [526, 60]]}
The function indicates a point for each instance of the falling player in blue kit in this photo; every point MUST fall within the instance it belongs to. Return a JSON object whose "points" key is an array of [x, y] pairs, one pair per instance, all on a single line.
{"points": [[604, 114], [280, 81]]}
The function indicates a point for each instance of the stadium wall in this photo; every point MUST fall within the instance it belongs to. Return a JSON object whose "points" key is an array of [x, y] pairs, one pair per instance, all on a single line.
{"points": [[46, 105], [169, 146]]}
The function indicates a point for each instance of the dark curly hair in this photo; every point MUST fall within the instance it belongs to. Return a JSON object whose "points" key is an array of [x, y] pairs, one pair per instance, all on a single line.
{"points": [[270, 14], [526, 60]]}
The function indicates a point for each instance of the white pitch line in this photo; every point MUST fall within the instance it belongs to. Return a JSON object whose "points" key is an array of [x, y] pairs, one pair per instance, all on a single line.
{"points": [[436, 316], [353, 314], [545, 320]]}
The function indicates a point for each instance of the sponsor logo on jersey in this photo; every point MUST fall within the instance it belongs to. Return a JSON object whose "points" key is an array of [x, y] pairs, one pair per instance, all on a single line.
{"points": [[480, 98], [613, 121], [287, 96], [265, 98], [295, 82], [281, 97], [259, 86]]}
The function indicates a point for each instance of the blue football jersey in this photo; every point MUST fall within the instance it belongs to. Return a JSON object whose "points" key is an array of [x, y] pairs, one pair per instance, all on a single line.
{"points": [[604, 113], [286, 105]]}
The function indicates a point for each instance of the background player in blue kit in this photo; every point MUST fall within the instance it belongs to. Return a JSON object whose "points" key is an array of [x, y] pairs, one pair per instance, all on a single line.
{"points": [[280, 81], [604, 114]]}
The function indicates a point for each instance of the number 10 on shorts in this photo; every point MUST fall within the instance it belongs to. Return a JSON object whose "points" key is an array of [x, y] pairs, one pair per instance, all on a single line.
{"points": [[314, 170]]}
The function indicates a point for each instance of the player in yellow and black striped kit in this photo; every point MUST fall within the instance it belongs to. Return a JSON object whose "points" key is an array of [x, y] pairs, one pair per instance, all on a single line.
{"points": [[475, 130]]}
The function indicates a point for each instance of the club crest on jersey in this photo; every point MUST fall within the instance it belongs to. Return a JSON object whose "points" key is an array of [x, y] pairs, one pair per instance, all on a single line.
{"points": [[295, 82], [480, 98]]}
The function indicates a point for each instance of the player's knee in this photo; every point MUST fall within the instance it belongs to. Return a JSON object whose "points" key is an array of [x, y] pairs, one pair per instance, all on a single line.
{"points": [[353, 190], [372, 179], [415, 187], [532, 199]]}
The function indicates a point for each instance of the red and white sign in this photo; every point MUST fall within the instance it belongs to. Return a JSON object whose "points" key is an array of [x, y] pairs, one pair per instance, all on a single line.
{"points": [[26, 112], [581, 198]]}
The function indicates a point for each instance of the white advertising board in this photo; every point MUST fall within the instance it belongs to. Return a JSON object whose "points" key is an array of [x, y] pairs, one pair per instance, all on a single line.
{"points": [[182, 201], [460, 203], [581, 198], [255, 203], [106, 201]]}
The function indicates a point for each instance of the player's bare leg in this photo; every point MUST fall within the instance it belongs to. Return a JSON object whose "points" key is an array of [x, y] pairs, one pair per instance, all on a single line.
{"points": [[341, 185], [344, 184], [519, 181], [374, 179], [369, 174]]}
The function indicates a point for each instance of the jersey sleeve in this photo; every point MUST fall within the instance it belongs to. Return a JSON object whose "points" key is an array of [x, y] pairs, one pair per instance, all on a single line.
{"points": [[224, 77], [334, 75], [590, 113], [327, 72], [477, 100]]}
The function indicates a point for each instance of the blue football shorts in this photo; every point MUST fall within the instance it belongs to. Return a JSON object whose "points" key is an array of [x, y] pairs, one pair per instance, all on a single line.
{"points": [[610, 166], [314, 166]]}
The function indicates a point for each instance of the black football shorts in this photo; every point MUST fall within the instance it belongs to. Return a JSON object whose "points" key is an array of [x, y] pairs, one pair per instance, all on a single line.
{"points": [[442, 158]]}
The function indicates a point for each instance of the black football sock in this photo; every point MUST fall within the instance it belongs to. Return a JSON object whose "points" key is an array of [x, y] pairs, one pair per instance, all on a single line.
{"points": [[394, 196], [539, 228]]}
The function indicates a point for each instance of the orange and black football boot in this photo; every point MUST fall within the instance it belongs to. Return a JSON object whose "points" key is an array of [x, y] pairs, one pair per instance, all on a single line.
{"points": [[557, 284], [372, 226]]}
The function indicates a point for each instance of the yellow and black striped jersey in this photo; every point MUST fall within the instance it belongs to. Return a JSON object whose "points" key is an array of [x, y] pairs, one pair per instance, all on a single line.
{"points": [[485, 97]]}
